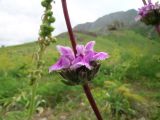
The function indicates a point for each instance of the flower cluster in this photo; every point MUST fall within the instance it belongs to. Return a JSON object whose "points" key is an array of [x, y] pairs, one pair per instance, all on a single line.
{"points": [[80, 67], [45, 39], [46, 28], [149, 13]]}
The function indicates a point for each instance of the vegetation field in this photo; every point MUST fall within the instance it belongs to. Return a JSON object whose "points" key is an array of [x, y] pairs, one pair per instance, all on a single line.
{"points": [[127, 86]]}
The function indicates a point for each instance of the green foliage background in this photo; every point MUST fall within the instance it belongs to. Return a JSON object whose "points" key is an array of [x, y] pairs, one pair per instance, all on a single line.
{"points": [[134, 60]]}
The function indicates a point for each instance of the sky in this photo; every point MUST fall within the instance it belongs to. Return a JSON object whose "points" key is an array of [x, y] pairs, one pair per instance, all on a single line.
{"points": [[20, 19]]}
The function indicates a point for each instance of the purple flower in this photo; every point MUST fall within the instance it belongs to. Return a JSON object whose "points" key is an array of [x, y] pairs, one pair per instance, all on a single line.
{"points": [[67, 56], [84, 57], [143, 11], [62, 63], [66, 52], [149, 14]]}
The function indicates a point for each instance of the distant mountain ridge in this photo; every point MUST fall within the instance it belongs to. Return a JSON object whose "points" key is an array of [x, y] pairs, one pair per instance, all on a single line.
{"points": [[127, 18]]}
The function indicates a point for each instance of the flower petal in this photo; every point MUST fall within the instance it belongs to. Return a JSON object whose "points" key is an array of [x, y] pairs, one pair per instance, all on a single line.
{"points": [[66, 51], [77, 59], [62, 63], [89, 46], [80, 50], [80, 61], [89, 56], [100, 56], [79, 64]]}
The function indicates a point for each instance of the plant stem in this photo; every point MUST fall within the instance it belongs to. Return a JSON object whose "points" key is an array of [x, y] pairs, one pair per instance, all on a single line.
{"points": [[91, 101], [32, 104], [144, 2], [68, 23], [73, 42]]}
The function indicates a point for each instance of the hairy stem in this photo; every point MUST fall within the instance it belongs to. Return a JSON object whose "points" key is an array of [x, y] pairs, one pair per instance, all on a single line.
{"points": [[32, 104], [73, 42], [68, 23], [34, 87], [91, 101]]}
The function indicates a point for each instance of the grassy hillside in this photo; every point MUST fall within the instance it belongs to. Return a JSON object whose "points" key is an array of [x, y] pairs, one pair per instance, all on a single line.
{"points": [[127, 86]]}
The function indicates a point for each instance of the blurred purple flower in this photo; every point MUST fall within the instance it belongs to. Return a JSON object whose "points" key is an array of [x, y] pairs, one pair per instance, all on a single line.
{"points": [[149, 14], [85, 55], [146, 9]]}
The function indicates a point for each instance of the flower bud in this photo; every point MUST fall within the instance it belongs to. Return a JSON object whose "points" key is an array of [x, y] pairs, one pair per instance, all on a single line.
{"points": [[49, 13], [51, 20], [48, 1], [44, 3], [45, 30]]}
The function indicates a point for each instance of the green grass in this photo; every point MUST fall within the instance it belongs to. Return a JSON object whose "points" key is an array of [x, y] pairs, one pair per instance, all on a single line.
{"points": [[134, 59]]}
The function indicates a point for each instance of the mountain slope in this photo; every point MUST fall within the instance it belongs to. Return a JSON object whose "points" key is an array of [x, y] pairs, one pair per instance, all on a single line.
{"points": [[127, 18], [118, 20]]}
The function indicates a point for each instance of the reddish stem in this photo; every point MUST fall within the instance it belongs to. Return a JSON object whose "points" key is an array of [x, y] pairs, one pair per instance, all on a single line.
{"points": [[68, 23], [91, 101], [73, 42]]}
